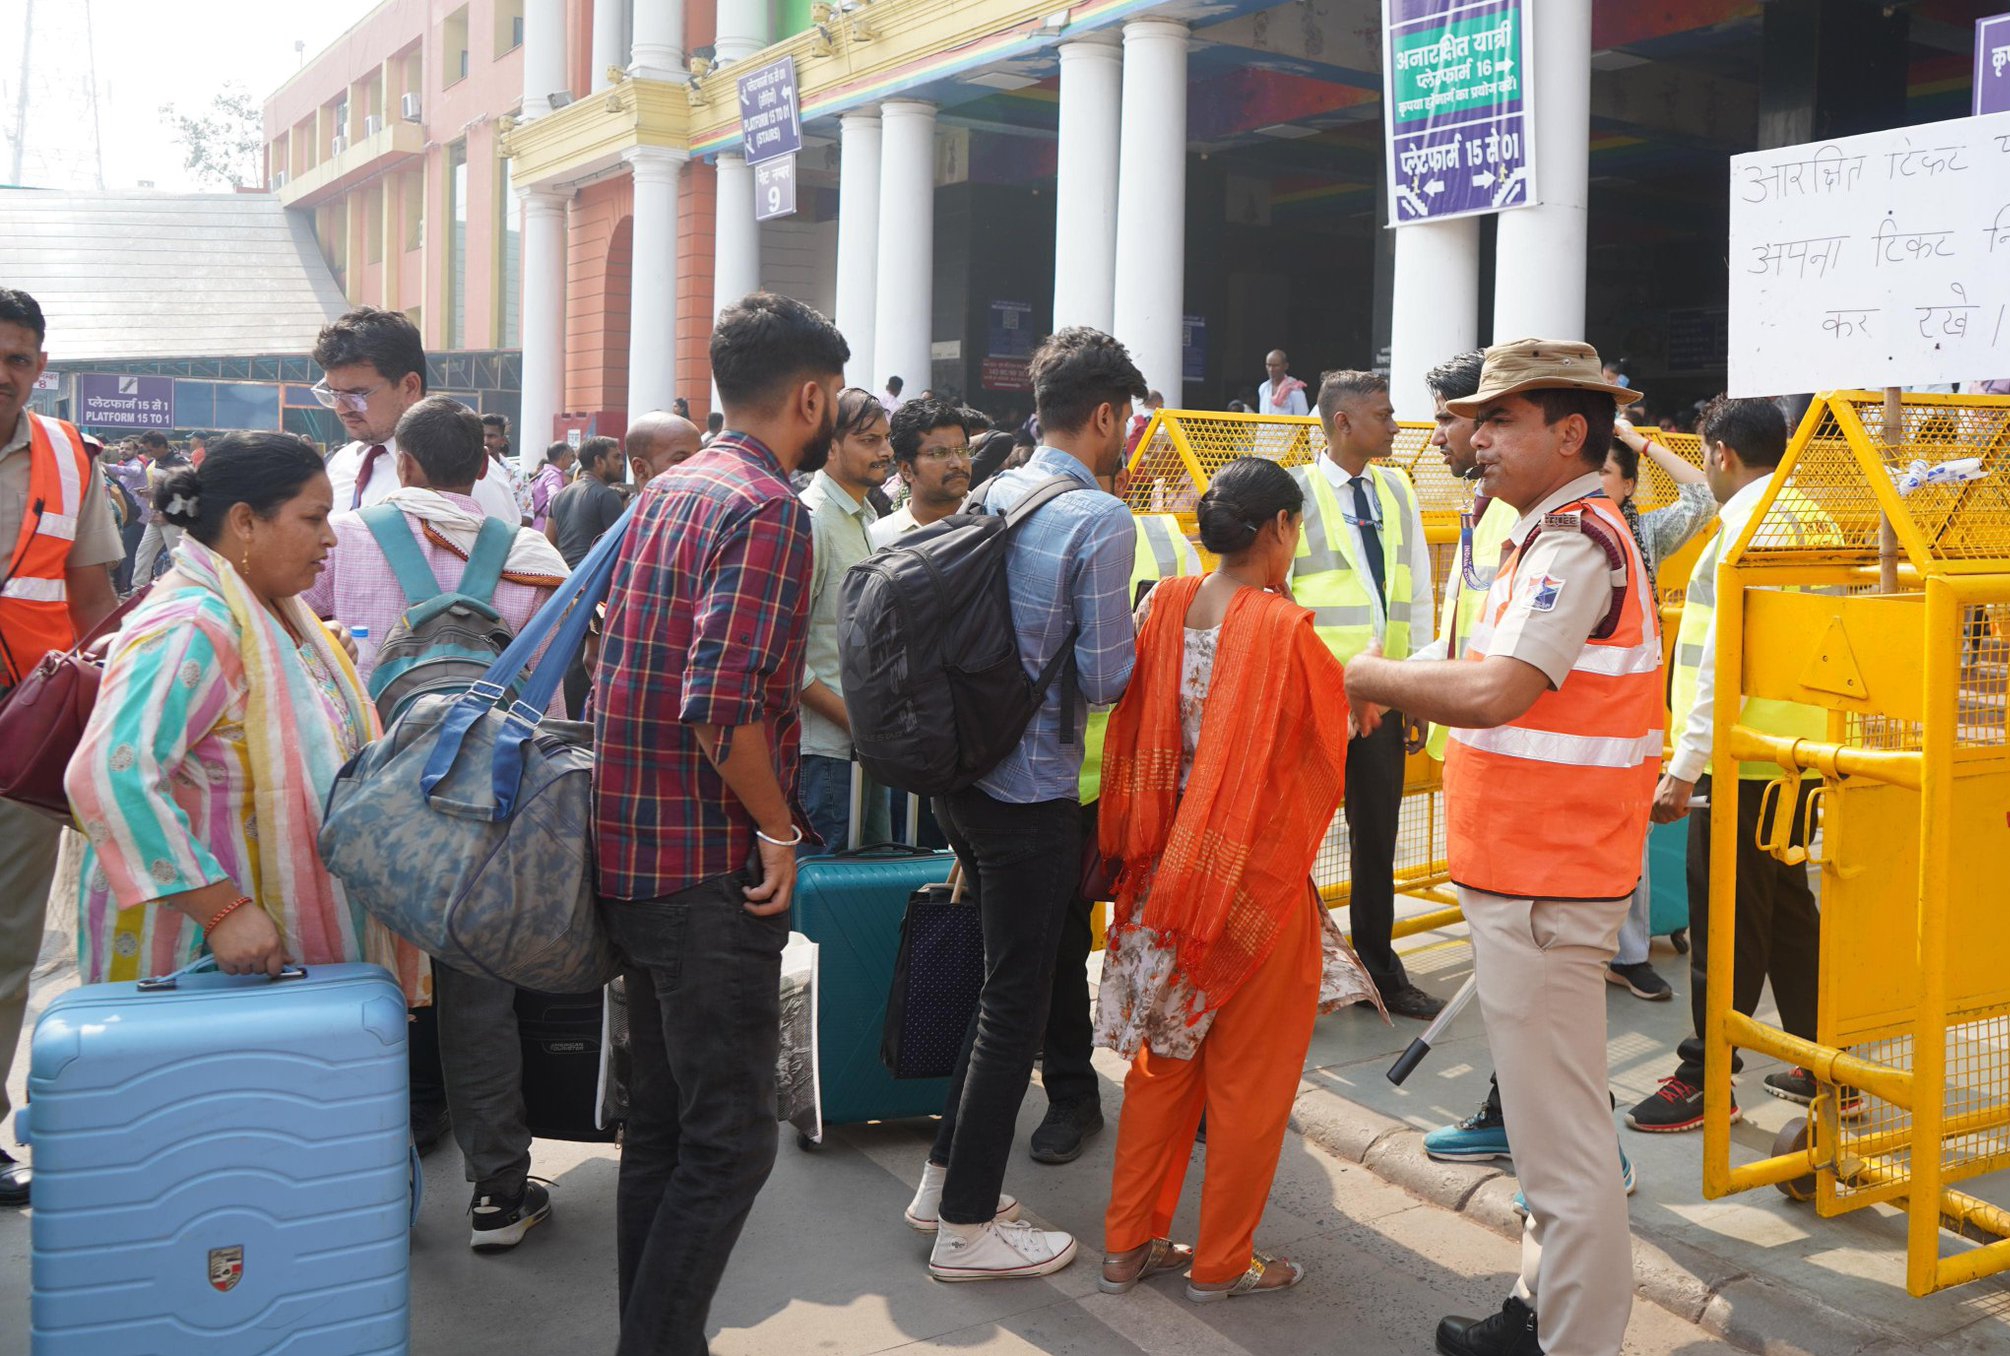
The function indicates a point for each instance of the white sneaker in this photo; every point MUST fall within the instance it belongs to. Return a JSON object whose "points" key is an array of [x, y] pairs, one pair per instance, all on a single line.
{"points": [[923, 1212], [999, 1252]]}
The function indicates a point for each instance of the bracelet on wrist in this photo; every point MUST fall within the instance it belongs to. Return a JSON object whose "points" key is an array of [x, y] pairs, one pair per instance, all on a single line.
{"points": [[225, 912], [781, 842]]}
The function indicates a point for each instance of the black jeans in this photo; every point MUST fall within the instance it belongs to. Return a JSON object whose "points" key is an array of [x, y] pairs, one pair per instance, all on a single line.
{"points": [[1065, 1070], [481, 1054], [1373, 807], [1779, 929], [1025, 860], [704, 1022]]}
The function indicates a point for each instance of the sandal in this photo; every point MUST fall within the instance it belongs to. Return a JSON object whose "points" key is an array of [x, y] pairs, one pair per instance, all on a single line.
{"points": [[1159, 1255], [1249, 1282]]}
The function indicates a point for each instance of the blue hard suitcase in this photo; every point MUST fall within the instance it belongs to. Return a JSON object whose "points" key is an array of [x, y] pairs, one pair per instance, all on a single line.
{"points": [[221, 1166], [851, 906], [1668, 882]]}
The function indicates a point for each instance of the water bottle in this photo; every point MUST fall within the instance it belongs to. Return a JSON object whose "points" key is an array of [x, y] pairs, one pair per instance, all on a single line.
{"points": [[366, 650]]}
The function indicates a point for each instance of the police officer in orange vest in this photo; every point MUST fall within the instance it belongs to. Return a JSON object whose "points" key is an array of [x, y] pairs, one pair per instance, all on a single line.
{"points": [[61, 541], [1555, 716]]}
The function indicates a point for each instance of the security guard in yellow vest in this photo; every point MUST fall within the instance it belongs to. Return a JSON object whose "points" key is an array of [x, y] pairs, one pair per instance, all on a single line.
{"points": [[1364, 569], [1074, 1107], [1778, 927]]}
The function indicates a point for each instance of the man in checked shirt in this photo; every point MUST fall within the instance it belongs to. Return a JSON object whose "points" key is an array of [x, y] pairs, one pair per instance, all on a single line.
{"points": [[696, 747]]}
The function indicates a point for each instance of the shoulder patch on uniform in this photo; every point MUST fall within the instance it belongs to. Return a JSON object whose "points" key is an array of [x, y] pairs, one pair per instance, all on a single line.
{"points": [[1562, 522], [1548, 588]]}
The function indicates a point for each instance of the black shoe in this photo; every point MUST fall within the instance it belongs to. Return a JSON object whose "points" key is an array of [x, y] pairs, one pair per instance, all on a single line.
{"points": [[1511, 1332], [1066, 1130], [502, 1221], [1675, 1107], [1407, 1000], [1799, 1086], [14, 1178], [1642, 979], [429, 1127]]}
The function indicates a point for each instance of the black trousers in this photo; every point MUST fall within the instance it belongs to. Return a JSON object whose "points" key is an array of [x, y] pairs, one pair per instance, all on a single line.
{"points": [[1065, 1069], [1779, 929], [1374, 806]]}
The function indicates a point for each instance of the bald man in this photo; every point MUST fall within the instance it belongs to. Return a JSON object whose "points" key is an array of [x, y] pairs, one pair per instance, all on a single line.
{"points": [[1282, 393], [658, 441]]}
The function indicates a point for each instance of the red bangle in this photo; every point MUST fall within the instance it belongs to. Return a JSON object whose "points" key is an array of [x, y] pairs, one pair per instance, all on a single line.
{"points": [[225, 912]]}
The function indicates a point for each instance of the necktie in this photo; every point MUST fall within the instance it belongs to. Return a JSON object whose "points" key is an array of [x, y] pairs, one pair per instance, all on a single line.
{"points": [[363, 474], [1371, 539]]}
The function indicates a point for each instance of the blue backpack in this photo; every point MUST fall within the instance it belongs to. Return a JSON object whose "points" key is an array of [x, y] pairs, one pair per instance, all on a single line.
{"points": [[444, 642]]}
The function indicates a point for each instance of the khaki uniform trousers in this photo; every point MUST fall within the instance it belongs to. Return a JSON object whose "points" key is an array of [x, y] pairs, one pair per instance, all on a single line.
{"points": [[1541, 967], [28, 844]]}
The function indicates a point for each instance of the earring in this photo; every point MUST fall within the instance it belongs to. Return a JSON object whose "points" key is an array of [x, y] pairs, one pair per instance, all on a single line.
{"points": [[244, 560]]}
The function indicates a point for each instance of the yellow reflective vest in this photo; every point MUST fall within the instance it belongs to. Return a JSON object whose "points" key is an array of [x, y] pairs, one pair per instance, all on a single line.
{"points": [[1163, 552], [1343, 610], [1490, 533], [1789, 720]]}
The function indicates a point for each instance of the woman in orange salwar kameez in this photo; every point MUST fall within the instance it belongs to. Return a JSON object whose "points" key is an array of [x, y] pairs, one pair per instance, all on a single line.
{"points": [[1222, 769]]}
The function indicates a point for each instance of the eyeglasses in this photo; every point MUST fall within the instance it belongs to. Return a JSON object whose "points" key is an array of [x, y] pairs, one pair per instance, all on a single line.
{"points": [[353, 401], [943, 454]]}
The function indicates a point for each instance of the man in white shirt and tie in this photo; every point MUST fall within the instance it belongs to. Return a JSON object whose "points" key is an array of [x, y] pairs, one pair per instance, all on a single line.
{"points": [[373, 369]]}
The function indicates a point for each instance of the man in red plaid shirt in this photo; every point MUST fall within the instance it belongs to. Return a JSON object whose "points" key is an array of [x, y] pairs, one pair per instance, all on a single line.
{"points": [[701, 666]]}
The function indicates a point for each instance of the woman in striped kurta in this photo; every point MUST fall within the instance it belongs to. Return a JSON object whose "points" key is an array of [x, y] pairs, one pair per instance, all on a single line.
{"points": [[225, 712]]}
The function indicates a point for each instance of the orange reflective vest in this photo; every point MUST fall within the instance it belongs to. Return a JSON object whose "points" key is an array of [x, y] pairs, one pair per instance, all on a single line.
{"points": [[35, 600], [1554, 804]]}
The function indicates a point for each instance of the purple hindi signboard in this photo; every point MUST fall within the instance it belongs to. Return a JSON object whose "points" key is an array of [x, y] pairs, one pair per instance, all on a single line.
{"points": [[1455, 90], [1992, 64], [115, 401]]}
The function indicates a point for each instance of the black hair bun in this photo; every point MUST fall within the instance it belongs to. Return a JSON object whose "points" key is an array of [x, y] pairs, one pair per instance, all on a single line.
{"points": [[178, 497]]}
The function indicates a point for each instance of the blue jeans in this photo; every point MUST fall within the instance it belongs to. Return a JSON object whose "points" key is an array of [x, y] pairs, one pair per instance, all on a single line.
{"points": [[704, 1020], [825, 791], [1633, 932]]}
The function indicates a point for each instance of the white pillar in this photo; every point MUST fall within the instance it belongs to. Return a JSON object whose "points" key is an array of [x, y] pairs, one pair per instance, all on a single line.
{"points": [[903, 322], [736, 239], [1539, 254], [610, 40], [1435, 312], [543, 55], [657, 52], [858, 241], [743, 29], [1151, 202], [1085, 187], [543, 322], [652, 281]]}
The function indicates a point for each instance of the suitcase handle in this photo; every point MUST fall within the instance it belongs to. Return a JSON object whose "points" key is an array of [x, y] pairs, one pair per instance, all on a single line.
{"points": [[885, 850], [202, 965]]}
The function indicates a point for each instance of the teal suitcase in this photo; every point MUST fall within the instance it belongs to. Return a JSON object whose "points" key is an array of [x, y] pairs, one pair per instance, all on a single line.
{"points": [[851, 905], [1668, 882]]}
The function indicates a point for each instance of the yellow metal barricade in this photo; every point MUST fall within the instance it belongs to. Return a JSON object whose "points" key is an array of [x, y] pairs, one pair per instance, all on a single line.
{"points": [[1914, 803]]}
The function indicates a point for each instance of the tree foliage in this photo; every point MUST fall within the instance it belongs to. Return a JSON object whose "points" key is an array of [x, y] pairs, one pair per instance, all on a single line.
{"points": [[221, 142]]}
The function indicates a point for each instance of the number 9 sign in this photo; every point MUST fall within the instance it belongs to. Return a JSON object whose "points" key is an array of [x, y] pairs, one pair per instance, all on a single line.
{"points": [[775, 188]]}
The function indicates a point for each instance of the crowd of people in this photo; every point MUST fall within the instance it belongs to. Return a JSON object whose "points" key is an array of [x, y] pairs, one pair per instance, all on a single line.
{"points": [[1213, 723]]}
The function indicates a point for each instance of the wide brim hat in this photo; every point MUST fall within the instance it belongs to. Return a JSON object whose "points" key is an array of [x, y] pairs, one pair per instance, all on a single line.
{"points": [[1539, 365]]}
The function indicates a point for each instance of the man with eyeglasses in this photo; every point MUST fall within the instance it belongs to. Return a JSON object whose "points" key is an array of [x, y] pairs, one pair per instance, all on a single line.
{"points": [[931, 452], [373, 369]]}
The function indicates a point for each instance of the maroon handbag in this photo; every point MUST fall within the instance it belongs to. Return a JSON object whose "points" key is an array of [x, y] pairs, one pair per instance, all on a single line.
{"points": [[42, 719]]}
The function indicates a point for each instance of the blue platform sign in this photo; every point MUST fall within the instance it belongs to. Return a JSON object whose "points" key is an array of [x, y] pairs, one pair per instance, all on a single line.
{"points": [[115, 401], [1455, 89], [770, 116], [1992, 64]]}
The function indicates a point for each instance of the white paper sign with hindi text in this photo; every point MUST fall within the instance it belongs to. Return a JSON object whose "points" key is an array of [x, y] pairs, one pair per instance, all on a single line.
{"points": [[1872, 261]]}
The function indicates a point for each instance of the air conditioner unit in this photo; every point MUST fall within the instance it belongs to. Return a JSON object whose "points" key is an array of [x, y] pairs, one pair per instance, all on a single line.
{"points": [[372, 124], [278, 180], [339, 144], [408, 107]]}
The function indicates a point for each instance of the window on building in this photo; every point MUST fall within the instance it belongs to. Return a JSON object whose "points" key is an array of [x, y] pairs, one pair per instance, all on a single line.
{"points": [[509, 26], [509, 256], [454, 47], [373, 224], [412, 186], [457, 245]]}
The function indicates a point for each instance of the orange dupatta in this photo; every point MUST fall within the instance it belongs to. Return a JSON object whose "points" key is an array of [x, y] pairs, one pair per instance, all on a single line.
{"points": [[1221, 866]]}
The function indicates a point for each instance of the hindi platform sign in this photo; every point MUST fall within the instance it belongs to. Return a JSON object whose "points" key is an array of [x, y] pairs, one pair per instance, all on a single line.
{"points": [[770, 117], [1455, 87], [1992, 64], [1871, 261], [113, 400], [775, 188]]}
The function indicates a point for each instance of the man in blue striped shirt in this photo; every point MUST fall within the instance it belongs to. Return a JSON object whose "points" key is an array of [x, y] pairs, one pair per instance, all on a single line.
{"points": [[1018, 830]]}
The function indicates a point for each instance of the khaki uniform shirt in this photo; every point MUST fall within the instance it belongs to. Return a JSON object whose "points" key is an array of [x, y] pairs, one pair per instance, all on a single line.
{"points": [[1559, 591], [98, 541]]}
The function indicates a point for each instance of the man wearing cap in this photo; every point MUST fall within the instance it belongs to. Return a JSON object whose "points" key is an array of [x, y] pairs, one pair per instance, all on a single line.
{"points": [[1555, 714]]}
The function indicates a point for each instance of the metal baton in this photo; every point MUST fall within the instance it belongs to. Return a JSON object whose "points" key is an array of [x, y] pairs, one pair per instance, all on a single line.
{"points": [[1421, 1046]]}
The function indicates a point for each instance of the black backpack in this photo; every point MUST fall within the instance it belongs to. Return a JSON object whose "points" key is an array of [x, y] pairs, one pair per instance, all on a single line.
{"points": [[929, 655]]}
